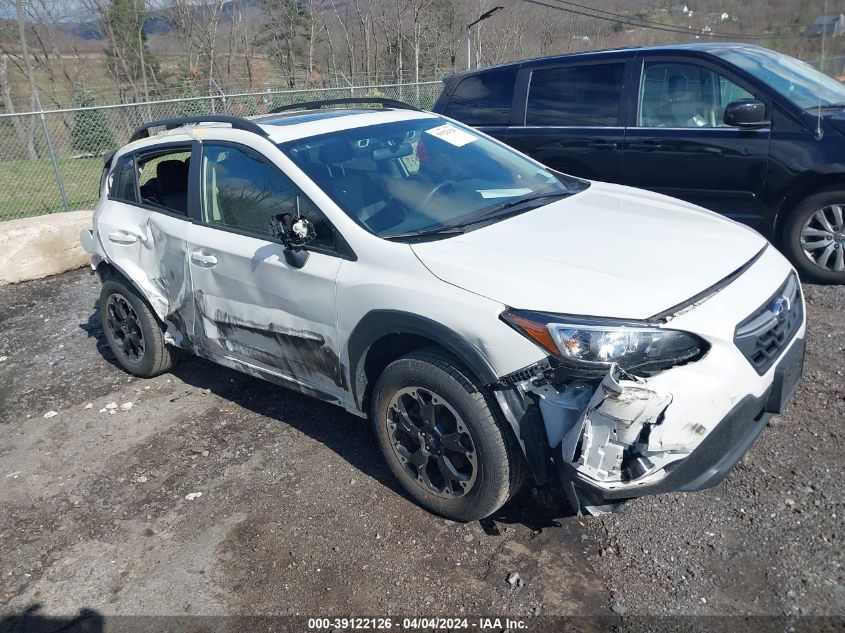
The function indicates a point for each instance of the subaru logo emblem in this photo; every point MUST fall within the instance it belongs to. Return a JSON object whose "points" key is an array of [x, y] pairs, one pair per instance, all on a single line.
{"points": [[780, 307]]}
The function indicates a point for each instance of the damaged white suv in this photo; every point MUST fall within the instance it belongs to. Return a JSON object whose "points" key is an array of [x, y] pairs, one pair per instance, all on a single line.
{"points": [[493, 318]]}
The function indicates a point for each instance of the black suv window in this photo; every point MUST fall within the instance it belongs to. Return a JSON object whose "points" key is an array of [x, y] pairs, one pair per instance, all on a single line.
{"points": [[243, 191], [585, 96], [483, 99], [685, 95]]}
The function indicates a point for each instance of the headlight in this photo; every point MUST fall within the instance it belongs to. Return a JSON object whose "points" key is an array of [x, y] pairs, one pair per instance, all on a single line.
{"points": [[591, 347]]}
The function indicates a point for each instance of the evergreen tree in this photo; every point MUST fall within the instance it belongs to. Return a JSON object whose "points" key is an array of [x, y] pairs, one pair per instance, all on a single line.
{"points": [[127, 44], [90, 132], [193, 105]]}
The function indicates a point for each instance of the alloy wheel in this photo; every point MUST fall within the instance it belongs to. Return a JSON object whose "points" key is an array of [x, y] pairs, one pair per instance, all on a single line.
{"points": [[431, 441], [125, 327], [823, 238]]}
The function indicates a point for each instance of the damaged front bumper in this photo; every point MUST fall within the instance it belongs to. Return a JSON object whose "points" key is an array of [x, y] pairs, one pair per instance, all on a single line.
{"points": [[610, 443]]}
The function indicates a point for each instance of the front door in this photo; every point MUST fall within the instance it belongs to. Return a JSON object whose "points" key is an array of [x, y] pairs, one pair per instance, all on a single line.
{"points": [[680, 146], [573, 118], [257, 312]]}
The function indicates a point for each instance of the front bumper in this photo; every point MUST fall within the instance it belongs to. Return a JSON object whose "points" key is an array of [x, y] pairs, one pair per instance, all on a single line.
{"points": [[717, 454]]}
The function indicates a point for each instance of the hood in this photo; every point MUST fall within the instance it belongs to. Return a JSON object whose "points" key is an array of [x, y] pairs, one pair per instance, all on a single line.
{"points": [[610, 251]]}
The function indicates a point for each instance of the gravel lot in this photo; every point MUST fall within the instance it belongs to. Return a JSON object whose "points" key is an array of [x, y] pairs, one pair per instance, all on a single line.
{"points": [[101, 478]]}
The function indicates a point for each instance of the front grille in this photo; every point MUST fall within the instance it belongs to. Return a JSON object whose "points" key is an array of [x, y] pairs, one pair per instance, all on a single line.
{"points": [[767, 332]]}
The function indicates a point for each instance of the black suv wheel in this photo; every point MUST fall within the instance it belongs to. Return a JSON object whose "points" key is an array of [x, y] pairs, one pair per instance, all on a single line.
{"points": [[814, 237]]}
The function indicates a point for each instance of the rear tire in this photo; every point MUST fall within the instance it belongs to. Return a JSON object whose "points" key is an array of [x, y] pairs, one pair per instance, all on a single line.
{"points": [[451, 452], [815, 251], [133, 332]]}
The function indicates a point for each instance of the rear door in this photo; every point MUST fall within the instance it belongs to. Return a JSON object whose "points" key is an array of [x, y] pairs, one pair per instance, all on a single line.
{"points": [[572, 117], [258, 312], [144, 224], [679, 145]]}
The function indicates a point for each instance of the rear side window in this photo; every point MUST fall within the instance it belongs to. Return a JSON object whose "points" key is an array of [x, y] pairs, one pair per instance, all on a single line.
{"points": [[483, 99], [585, 96], [123, 180]]}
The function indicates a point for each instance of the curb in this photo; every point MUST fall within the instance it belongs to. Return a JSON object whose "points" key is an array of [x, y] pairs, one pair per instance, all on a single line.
{"points": [[38, 247]]}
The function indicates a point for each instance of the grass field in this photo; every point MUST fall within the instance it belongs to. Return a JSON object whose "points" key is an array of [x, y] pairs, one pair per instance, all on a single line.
{"points": [[28, 187]]}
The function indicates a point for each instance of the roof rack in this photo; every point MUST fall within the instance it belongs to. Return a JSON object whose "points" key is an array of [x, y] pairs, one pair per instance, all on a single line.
{"points": [[237, 123], [312, 105]]}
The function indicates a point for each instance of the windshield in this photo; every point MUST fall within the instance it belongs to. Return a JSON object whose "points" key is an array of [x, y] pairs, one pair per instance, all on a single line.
{"points": [[797, 81], [423, 176]]}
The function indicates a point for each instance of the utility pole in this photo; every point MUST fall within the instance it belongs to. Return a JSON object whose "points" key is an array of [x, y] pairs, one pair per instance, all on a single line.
{"points": [[481, 18]]}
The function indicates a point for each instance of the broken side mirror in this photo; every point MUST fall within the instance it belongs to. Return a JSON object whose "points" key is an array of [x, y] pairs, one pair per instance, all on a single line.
{"points": [[295, 232]]}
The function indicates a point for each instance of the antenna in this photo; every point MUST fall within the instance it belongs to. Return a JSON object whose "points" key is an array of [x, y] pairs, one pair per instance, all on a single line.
{"points": [[819, 132]]}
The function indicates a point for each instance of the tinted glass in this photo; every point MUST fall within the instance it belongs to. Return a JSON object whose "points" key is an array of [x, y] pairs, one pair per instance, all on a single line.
{"points": [[242, 190], [588, 96], [419, 174], [123, 183], [799, 82], [685, 96], [483, 99]]}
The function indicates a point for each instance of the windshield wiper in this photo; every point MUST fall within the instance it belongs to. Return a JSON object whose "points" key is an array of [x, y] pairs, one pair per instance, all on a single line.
{"points": [[440, 230], [829, 106], [495, 212]]}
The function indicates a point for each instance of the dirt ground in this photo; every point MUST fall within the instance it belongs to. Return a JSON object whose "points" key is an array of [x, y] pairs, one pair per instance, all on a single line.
{"points": [[206, 491]]}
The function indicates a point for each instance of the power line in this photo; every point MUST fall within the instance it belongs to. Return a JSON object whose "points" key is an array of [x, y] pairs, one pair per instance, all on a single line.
{"points": [[609, 16]]}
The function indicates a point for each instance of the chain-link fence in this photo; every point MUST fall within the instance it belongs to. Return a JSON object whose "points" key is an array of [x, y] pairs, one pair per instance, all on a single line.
{"points": [[51, 161]]}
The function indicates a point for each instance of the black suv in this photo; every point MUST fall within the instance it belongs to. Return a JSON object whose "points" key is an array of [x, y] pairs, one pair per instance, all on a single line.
{"points": [[750, 133]]}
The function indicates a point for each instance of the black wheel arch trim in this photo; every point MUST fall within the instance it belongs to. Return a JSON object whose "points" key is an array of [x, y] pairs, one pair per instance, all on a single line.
{"points": [[377, 324], [521, 413]]}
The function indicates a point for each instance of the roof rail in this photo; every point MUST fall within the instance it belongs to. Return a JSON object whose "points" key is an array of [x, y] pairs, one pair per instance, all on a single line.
{"points": [[237, 123], [312, 105]]}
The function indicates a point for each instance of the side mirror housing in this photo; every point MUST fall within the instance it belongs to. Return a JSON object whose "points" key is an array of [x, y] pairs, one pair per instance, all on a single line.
{"points": [[295, 232], [746, 113]]}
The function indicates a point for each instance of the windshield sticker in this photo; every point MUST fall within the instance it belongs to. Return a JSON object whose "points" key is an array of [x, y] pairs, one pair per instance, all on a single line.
{"points": [[451, 134], [503, 193]]}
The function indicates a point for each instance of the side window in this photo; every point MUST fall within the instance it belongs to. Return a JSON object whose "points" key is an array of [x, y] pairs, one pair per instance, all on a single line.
{"points": [[483, 99], [685, 96], [163, 179], [242, 190], [123, 180], [584, 96]]}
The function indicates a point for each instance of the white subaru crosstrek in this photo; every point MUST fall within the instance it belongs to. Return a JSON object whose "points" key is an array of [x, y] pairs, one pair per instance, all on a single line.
{"points": [[493, 318]]}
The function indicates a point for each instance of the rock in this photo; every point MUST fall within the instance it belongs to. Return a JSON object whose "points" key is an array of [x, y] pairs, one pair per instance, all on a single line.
{"points": [[50, 414], [193, 495], [88, 406], [512, 578], [126, 406], [198, 449], [789, 502], [619, 609], [3, 359], [205, 453], [111, 406], [141, 479], [468, 538]]}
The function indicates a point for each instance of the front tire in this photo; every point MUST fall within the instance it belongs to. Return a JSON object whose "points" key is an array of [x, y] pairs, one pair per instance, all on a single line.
{"points": [[447, 447], [133, 332], [814, 237]]}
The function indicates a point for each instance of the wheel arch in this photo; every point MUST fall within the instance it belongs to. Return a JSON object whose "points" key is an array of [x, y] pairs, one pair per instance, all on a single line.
{"points": [[382, 336], [803, 189]]}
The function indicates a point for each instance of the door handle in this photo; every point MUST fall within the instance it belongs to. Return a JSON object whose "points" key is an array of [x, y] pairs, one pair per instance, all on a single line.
{"points": [[602, 145], [122, 237], [646, 146], [206, 260]]}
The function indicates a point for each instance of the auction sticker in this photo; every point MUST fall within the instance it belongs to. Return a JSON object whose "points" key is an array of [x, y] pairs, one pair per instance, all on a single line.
{"points": [[451, 134]]}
